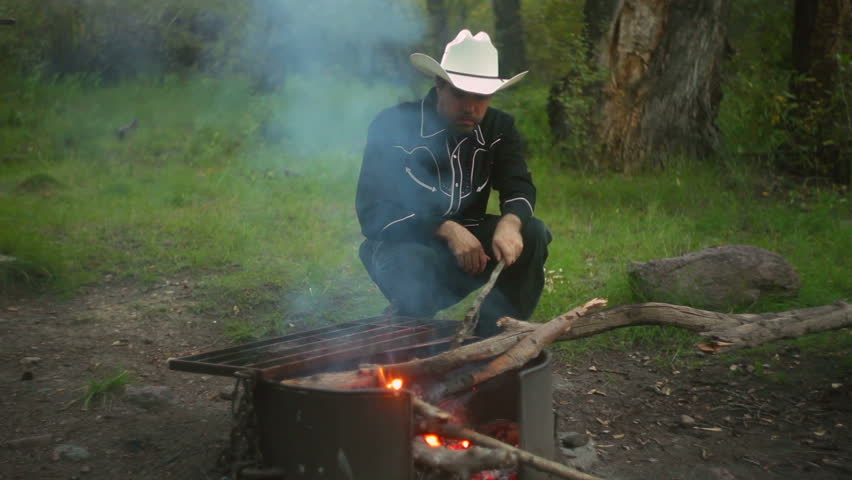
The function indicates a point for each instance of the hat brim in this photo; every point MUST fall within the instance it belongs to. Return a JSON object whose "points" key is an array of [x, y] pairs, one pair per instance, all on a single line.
{"points": [[468, 83]]}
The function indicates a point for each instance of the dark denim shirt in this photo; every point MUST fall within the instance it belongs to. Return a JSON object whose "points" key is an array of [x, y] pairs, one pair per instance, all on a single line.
{"points": [[417, 173]]}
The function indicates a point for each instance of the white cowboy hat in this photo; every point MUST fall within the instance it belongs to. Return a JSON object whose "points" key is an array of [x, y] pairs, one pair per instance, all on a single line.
{"points": [[469, 63]]}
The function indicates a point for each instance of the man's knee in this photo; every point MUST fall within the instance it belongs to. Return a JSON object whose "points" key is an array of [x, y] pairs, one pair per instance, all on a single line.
{"points": [[536, 237]]}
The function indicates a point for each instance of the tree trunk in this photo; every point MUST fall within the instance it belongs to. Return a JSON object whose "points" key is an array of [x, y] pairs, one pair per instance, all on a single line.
{"points": [[663, 91], [597, 16], [509, 37], [822, 30], [438, 36], [563, 123]]}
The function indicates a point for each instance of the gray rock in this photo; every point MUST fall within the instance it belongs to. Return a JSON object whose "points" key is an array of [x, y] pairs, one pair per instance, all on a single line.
{"points": [[29, 442], [687, 421], [582, 458], [708, 472], [573, 439], [71, 452], [29, 361], [715, 278], [149, 397]]}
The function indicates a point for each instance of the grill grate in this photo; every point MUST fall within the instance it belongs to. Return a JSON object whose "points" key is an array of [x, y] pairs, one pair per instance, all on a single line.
{"points": [[323, 349]]}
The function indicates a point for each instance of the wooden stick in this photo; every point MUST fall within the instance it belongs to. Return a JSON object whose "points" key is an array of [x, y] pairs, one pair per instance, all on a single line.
{"points": [[471, 318], [539, 463], [505, 344], [524, 351], [433, 413], [366, 377]]}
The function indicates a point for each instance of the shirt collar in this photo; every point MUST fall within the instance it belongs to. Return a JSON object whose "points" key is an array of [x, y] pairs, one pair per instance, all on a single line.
{"points": [[432, 124]]}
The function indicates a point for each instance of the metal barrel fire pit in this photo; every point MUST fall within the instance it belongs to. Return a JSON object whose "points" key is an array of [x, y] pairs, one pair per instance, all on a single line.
{"points": [[296, 432]]}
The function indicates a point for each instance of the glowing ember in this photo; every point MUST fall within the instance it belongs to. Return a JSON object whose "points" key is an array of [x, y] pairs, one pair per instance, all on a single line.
{"points": [[465, 443], [395, 384], [432, 440]]}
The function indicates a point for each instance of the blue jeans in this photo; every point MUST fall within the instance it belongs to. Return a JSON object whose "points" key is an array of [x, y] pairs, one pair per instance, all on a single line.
{"points": [[420, 278]]}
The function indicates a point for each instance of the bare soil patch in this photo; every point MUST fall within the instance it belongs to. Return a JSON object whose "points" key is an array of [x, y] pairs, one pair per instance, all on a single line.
{"points": [[741, 425]]}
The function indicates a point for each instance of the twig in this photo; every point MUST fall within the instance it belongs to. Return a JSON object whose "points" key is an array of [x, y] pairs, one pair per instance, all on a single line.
{"points": [[471, 318]]}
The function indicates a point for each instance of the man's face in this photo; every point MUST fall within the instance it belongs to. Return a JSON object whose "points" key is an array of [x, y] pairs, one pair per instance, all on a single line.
{"points": [[462, 110]]}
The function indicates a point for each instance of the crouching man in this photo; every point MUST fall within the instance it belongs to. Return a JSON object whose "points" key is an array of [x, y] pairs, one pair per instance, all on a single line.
{"points": [[426, 177]]}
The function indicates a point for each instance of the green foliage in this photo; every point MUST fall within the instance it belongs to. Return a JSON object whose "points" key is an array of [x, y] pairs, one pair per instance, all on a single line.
{"points": [[117, 39], [762, 118], [205, 187], [553, 31], [103, 387]]}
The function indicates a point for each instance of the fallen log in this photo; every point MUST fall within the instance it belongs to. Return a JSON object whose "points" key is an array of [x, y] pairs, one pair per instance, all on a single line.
{"points": [[725, 331]]}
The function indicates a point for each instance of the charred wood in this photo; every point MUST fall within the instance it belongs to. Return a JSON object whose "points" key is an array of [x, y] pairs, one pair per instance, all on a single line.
{"points": [[462, 463]]}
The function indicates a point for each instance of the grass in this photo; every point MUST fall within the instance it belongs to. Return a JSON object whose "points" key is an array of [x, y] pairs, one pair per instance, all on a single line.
{"points": [[253, 195], [103, 387]]}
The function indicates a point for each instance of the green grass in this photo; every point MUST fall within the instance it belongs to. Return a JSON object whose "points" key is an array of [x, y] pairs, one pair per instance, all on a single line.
{"points": [[102, 388], [253, 196]]}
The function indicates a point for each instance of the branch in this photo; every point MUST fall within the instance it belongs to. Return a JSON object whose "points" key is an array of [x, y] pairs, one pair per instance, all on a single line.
{"points": [[524, 351], [725, 332], [470, 319]]}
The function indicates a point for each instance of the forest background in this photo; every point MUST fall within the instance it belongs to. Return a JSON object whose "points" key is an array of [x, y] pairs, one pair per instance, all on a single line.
{"points": [[221, 141]]}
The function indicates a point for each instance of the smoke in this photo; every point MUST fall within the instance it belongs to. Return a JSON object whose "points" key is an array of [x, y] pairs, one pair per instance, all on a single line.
{"points": [[332, 64]]}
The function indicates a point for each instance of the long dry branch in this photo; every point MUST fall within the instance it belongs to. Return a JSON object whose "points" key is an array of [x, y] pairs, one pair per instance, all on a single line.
{"points": [[366, 377], [524, 351], [725, 332]]}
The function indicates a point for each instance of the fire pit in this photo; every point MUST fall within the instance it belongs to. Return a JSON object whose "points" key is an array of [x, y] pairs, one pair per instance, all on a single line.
{"points": [[289, 431]]}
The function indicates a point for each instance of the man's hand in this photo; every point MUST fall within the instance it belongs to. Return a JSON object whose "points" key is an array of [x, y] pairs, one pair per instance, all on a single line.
{"points": [[465, 246], [508, 243]]}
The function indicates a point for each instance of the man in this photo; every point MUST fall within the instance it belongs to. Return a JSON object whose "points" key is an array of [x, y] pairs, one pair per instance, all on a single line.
{"points": [[427, 173]]}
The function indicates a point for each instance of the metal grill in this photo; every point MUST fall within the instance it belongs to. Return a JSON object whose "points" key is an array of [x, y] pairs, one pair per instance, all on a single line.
{"points": [[338, 347]]}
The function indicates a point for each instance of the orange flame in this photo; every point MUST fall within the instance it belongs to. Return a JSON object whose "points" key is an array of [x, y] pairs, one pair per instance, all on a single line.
{"points": [[465, 443], [432, 440], [395, 384]]}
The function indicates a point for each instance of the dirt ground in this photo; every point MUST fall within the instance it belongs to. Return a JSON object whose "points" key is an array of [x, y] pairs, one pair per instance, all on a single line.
{"points": [[738, 425]]}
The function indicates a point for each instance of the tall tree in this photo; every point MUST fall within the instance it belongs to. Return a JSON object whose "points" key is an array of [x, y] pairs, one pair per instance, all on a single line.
{"points": [[509, 36], [822, 42], [662, 91], [664, 85]]}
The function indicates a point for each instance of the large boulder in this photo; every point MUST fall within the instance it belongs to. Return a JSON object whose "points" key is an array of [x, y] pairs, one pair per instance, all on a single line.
{"points": [[716, 278]]}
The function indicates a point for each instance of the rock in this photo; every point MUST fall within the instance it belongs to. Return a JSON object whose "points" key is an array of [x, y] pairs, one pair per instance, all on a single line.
{"points": [[29, 442], [85, 469], [582, 458], [71, 452], [573, 439], [707, 472], [687, 421], [149, 397], [226, 393], [29, 361], [26, 376], [718, 278]]}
